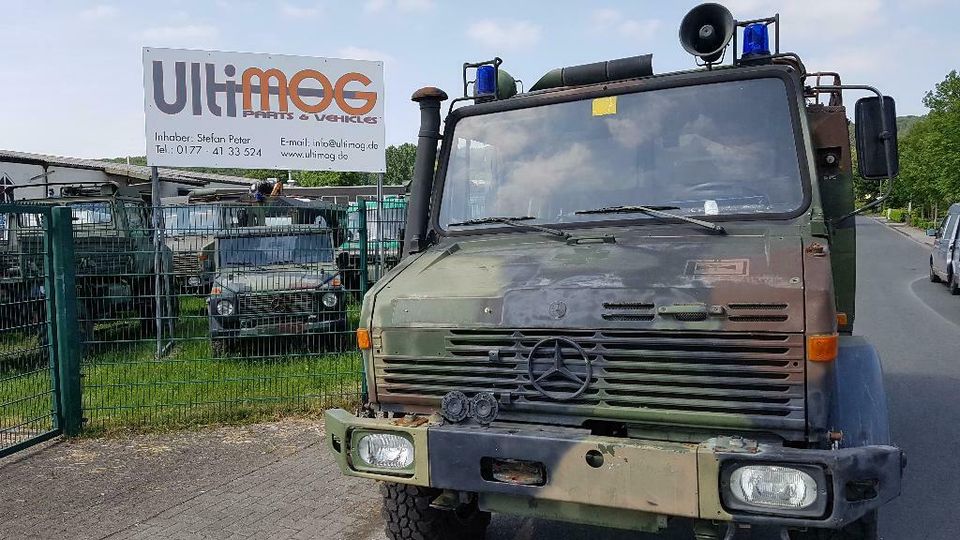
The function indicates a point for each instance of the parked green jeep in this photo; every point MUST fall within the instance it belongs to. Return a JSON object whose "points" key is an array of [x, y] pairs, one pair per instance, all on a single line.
{"points": [[275, 282], [192, 222]]}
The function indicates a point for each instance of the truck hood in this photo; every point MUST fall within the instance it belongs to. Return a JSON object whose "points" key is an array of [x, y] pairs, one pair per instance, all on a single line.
{"points": [[273, 278], [709, 282]]}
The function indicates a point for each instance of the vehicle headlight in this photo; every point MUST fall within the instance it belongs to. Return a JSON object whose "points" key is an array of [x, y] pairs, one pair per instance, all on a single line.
{"points": [[225, 308], [773, 487], [385, 450], [193, 281], [329, 299]]}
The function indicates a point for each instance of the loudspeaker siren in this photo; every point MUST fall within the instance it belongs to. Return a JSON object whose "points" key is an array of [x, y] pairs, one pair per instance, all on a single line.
{"points": [[706, 30]]}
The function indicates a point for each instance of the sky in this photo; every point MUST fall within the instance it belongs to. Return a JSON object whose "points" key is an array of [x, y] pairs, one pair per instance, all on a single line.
{"points": [[71, 79]]}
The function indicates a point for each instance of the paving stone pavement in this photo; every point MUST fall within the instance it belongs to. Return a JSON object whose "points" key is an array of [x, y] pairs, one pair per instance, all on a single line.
{"points": [[272, 480]]}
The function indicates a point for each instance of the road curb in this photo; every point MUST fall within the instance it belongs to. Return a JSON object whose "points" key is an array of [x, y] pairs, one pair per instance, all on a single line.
{"points": [[902, 232]]}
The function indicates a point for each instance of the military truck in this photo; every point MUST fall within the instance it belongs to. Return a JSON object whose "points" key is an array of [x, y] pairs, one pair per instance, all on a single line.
{"points": [[114, 253], [627, 298], [384, 239], [275, 282], [191, 222]]}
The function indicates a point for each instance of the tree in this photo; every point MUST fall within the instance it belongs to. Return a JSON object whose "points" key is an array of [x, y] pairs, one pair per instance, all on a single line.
{"points": [[400, 164]]}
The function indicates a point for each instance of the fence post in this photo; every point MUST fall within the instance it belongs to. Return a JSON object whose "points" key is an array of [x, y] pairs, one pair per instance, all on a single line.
{"points": [[362, 223], [65, 302]]}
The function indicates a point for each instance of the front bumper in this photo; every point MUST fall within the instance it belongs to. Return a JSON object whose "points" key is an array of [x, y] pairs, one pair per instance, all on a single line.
{"points": [[255, 328], [642, 476]]}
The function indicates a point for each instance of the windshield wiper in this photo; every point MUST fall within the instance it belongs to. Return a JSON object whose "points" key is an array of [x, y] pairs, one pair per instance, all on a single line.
{"points": [[513, 222], [655, 211]]}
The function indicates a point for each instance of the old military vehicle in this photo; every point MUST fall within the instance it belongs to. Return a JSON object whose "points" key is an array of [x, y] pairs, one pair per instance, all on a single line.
{"points": [[191, 222], [627, 299], [275, 282], [114, 253], [384, 228]]}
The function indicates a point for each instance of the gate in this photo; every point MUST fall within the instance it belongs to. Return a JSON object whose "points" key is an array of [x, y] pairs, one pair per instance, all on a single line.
{"points": [[39, 374]]}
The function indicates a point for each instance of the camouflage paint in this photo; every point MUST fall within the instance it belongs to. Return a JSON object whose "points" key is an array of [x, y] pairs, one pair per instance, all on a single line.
{"points": [[465, 312]]}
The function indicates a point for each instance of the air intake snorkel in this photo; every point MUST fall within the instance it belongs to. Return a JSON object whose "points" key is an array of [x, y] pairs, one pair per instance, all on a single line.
{"points": [[418, 211]]}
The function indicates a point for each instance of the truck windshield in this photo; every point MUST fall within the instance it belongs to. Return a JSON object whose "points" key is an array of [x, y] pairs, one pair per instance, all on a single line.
{"points": [[199, 220], [276, 250], [84, 214], [719, 149]]}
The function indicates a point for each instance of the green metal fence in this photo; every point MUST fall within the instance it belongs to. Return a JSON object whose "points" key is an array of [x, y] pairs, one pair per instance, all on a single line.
{"points": [[39, 376], [219, 313], [242, 312]]}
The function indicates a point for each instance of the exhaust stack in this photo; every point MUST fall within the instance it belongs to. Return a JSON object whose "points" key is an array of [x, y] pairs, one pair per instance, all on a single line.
{"points": [[418, 211]]}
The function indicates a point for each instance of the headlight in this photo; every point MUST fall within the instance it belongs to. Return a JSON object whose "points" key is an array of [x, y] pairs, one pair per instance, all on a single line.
{"points": [[329, 299], [385, 450], [773, 487], [193, 281], [225, 308]]}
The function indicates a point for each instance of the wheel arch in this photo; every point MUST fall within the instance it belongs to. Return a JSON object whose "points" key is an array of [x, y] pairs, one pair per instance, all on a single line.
{"points": [[860, 403]]}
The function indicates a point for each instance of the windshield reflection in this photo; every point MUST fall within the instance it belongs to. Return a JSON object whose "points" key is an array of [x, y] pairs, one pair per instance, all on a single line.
{"points": [[720, 149], [292, 249]]}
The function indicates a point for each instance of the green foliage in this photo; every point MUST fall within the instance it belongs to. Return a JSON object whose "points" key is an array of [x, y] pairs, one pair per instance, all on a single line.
{"points": [[897, 214], [399, 171], [930, 153]]}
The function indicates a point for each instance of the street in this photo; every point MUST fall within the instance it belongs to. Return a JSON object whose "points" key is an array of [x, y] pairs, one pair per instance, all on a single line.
{"points": [[915, 325]]}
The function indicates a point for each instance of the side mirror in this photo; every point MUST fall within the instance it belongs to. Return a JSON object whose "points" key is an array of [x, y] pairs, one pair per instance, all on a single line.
{"points": [[932, 232], [874, 161]]}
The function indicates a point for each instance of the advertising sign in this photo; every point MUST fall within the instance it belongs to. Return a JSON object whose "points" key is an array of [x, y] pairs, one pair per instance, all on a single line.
{"points": [[263, 111]]}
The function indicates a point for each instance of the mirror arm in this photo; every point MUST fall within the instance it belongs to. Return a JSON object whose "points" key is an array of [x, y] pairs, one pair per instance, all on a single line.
{"points": [[887, 145]]}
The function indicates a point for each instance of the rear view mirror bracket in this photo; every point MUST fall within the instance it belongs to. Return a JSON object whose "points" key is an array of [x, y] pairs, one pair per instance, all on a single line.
{"points": [[876, 148]]}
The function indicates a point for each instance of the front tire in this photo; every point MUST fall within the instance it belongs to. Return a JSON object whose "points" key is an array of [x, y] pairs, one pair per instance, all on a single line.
{"points": [[408, 516], [934, 278]]}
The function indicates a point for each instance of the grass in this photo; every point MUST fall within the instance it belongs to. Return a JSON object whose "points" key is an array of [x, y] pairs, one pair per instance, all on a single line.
{"points": [[126, 387]]}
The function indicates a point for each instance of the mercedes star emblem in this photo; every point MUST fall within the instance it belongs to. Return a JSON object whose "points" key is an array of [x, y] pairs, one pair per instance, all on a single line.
{"points": [[558, 368]]}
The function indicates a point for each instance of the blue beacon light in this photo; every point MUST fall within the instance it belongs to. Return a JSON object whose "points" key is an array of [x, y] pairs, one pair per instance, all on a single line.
{"points": [[756, 40], [486, 84]]}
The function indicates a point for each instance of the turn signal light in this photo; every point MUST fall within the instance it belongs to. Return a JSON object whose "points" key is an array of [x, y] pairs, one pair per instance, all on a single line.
{"points": [[363, 339], [842, 319], [822, 348]]}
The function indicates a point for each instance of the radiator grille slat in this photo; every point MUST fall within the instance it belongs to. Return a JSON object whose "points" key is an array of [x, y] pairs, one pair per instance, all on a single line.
{"points": [[755, 380]]}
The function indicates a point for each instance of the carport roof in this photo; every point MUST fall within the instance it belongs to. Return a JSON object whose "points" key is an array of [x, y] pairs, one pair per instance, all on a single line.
{"points": [[122, 169]]}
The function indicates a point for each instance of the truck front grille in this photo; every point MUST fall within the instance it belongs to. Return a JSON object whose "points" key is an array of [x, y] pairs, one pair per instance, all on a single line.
{"points": [[751, 381], [274, 303], [186, 263]]}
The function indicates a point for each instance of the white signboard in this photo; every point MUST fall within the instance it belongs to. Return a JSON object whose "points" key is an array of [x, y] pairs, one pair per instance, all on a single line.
{"points": [[263, 111]]}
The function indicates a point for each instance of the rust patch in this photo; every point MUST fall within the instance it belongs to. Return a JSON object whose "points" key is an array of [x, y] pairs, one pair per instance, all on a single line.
{"points": [[816, 249], [411, 421]]}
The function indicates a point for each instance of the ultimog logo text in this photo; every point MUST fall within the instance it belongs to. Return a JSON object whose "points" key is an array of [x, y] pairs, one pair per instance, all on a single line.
{"points": [[307, 94]]}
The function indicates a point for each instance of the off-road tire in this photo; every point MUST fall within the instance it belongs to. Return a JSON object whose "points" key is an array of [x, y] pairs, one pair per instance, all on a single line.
{"points": [[864, 528], [408, 516]]}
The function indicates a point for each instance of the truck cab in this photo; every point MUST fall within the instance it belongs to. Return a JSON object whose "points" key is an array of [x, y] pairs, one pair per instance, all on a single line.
{"points": [[627, 298], [114, 252]]}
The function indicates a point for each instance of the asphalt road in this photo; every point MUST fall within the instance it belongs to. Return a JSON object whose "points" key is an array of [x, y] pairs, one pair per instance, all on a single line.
{"points": [[915, 325]]}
